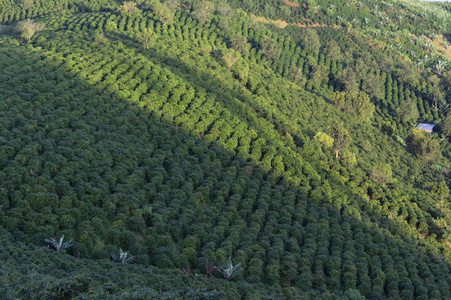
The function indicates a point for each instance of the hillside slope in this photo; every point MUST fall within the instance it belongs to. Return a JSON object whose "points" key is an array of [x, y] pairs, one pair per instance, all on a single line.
{"points": [[179, 144]]}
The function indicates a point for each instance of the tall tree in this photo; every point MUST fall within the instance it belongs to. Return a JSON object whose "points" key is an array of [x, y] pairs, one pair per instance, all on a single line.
{"points": [[423, 146], [129, 8], [408, 111], [165, 13], [374, 86], [28, 28], [435, 93], [173, 5], [225, 10], [408, 74], [230, 57], [239, 43], [270, 48], [319, 74], [203, 11], [347, 79], [340, 136], [446, 80], [27, 4], [310, 40], [446, 126], [296, 74], [147, 37], [333, 50], [356, 103], [385, 63]]}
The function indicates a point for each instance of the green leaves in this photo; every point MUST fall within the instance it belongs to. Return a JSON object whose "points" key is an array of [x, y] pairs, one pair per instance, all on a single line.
{"points": [[129, 8], [28, 28], [167, 153], [122, 258], [355, 102], [164, 11], [310, 40], [59, 245], [270, 48], [147, 37], [324, 139], [340, 136], [231, 270], [203, 11], [423, 146], [408, 112]]}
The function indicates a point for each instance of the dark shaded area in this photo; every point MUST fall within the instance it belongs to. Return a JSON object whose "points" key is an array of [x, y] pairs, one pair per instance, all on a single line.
{"points": [[137, 159], [447, 37]]}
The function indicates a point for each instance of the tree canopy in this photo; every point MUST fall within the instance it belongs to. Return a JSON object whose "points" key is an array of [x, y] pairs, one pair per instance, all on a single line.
{"points": [[165, 140]]}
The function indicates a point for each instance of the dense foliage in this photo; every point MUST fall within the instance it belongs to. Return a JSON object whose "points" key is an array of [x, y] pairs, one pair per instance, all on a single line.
{"points": [[188, 135]]}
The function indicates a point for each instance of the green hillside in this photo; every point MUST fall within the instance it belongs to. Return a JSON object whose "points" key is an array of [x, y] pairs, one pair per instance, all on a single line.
{"points": [[189, 133]]}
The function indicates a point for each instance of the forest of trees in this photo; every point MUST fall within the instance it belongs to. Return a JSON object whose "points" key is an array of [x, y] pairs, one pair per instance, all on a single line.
{"points": [[195, 150]]}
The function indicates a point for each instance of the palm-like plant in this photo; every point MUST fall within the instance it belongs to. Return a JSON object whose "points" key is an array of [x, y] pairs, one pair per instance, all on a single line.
{"points": [[231, 270], [122, 258], [59, 246], [444, 106], [440, 66]]}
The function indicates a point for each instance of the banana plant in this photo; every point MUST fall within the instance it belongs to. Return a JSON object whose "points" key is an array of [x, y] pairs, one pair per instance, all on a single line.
{"points": [[210, 268], [440, 66], [122, 258], [231, 270], [60, 246]]}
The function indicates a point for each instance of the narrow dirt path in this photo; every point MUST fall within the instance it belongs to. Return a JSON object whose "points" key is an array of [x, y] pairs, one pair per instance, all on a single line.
{"points": [[291, 3], [282, 24]]}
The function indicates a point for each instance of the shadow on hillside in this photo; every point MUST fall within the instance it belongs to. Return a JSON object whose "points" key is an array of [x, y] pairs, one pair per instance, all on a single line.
{"points": [[119, 160], [243, 106], [447, 37]]}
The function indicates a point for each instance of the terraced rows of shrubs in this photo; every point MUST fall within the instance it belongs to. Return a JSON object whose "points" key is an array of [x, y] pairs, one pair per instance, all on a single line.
{"points": [[109, 173], [11, 11], [188, 36], [152, 142]]}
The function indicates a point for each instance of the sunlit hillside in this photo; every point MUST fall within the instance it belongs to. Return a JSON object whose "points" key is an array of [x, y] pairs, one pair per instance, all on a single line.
{"points": [[258, 149]]}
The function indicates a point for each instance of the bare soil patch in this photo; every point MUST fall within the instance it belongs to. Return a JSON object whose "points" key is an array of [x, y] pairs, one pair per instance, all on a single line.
{"points": [[442, 43], [290, 3]]}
